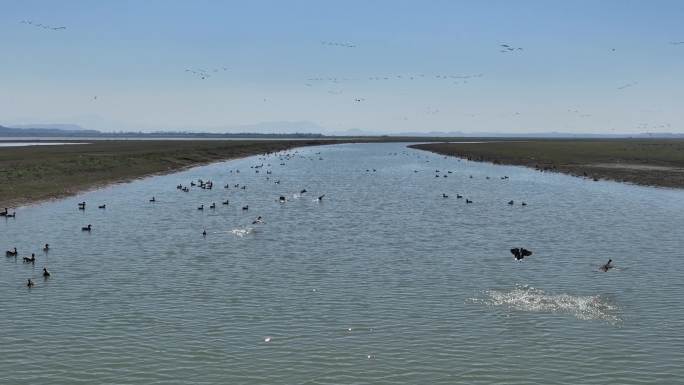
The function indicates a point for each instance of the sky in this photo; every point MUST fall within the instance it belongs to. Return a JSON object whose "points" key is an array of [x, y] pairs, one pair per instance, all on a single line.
{"points": [[596, 66]]}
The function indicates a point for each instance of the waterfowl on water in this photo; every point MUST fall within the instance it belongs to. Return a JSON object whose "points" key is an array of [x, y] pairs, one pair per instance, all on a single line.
{"points": [[46, 248], [257, 220], [245, 207], [303, 191], [213, 205], [153, 199], [201, 207], [46, 273], [523, 204], [3, 213], [29, 283], [520, 253], [225, 202], [469, 201], [444, 195], [11, 253], [31, 259], [204, 233], [281, 199], [102, 206], [458, 196], [320, 198], [511, 202], [87, 228], [13, 215], [607, 266]]}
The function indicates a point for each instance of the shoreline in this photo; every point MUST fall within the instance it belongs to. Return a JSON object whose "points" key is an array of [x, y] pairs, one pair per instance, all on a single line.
{"points": [[38, 174], [651, 163]]}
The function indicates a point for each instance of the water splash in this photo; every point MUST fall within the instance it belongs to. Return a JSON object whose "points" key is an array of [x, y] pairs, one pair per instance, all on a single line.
{"points": [[242, 232], [529, 299]]}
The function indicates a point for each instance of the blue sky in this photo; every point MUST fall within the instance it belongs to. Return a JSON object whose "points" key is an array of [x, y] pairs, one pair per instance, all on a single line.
{"points": [[585, 66]]}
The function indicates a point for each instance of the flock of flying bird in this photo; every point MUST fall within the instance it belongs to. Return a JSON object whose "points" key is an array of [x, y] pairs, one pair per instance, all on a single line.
{"points": [[504, 47], [43, 26]]}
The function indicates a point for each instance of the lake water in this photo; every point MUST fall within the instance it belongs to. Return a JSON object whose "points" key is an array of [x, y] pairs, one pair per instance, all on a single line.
{"points": [[384, 281]]}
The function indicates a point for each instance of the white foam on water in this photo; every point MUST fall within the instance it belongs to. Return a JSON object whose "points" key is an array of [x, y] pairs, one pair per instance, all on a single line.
{"points": [[529, 299], [242, 232]]}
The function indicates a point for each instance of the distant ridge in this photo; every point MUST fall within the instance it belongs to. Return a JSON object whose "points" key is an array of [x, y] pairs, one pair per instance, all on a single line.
{"points": [[56, 132]]}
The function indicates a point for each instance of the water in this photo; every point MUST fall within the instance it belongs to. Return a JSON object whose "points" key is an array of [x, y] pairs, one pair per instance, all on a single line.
{"points": [[381, 282]]}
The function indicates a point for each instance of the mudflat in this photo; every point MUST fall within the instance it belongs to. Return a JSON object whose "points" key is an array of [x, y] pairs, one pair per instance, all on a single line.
{"points": [[639, 161], [35, 173]]}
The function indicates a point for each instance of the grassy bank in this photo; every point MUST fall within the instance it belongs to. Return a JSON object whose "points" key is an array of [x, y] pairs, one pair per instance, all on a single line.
{"points": [[644, 162], [34, 173]]}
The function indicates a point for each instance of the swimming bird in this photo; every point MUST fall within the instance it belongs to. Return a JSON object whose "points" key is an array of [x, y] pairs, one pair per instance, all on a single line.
{"points": [[523, 204], [303, 191], [520, 253], [81, 206], [468, 201], [13, 215], [201, 207], [31, 259], [257, 220], [281, 199], [213, 205], [29, 283], [3, 213], [444, 195], [204, 233], [225, 202], [245, 207], [458, 196], [511, 202], [46, 248], [607, 266], [153, 200], [87, 228], [320, 198], [102, 206], [11, 253], [46, 273]]}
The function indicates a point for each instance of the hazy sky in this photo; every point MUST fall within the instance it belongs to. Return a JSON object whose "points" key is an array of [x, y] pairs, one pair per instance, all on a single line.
{"points": [[585, 66]]}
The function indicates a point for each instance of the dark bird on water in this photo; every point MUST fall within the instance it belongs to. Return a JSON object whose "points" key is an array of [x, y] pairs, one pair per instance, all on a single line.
{"points": [[607, 266], [520, 253], [29, 283], [46, 273], [87, 228]]}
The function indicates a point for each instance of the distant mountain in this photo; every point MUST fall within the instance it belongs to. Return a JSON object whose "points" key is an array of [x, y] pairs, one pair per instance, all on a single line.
{"points": [[40, 132], [56, 126]]}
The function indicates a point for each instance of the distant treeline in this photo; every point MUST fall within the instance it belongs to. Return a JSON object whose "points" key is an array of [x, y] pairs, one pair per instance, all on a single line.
{"points": [[53, 132]]}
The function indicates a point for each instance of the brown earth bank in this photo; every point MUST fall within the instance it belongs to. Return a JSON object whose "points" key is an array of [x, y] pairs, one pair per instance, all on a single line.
{"points": [[647, 162], [35, 173]]}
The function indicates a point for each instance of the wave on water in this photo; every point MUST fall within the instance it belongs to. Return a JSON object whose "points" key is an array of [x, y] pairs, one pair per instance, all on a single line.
{"points": [[529, 299], [242, 232]]}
